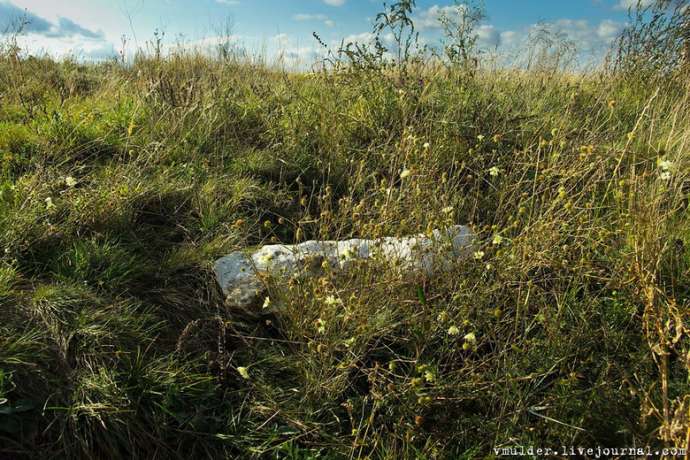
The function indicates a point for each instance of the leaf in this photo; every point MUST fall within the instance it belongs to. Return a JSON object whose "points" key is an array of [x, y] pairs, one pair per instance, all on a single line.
{"points": [[420, 295]]}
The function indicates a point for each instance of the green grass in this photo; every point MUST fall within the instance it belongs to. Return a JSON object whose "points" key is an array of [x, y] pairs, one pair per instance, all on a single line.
{"points": [[120, 186]]}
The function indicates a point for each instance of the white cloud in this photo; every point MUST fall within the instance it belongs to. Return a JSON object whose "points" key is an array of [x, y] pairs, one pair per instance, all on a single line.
{"points": [[609, 29], [430, 18], [335, 2], [57, 36], [364, 38], [13, 18], [306, 17], [309, 17], [591, 40], [488, 36], [61, 47], [87, 13], [509, 38], [633, 4]]}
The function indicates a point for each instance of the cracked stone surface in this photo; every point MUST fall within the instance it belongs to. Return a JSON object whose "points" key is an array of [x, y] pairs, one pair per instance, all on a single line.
{"points": [[241, 275]]}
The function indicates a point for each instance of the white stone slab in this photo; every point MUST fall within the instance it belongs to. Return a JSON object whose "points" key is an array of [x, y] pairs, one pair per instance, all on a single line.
{"points": [[240, 274]]}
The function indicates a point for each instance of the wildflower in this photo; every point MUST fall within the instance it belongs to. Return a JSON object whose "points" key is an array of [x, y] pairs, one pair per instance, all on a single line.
{"points": [[348, 254], [664, 165], [405, 173], [70, 181], [429, 376], [480, 137], [497, 138], [130, 128], [243, 372], [320, 326], [470, 338], [562, 193], [332, 300], [478, 255], [49, 203], [426, 146], [265, 258], [447, 210], [631, 136], [443, 316], [498, 239], [267, 302], [554, 132], [453, 330], [494, 171], [423, 400]]}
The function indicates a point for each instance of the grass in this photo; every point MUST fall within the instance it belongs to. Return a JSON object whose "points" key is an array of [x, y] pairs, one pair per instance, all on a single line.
{"points": [[119, 187]]}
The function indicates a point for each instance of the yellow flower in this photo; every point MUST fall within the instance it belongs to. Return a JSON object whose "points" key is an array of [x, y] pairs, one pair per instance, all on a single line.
{"points": [[494, 171], [130, 128], [498, 239], [562, 194], [453, 330], [470, 338], [664, 165], [320, 326], [447, 210], [332, 300], [267, 302], [405, 173], [243, 372], [479, 255], [265, 258], [49, 203], [70, 181]]}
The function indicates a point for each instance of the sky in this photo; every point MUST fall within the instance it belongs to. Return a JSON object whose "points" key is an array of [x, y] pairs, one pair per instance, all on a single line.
{"points": [[282, 29]]}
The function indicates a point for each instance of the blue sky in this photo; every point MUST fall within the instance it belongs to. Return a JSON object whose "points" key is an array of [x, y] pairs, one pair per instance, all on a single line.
{"points": [[94, 28]]}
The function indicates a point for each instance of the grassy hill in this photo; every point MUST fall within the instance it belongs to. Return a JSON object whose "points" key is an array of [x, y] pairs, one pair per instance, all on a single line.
{"points": [[121, 184]]}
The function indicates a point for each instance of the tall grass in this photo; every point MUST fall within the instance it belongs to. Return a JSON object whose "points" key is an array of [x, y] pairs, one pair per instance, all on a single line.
{"points": [[120, 185]]}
